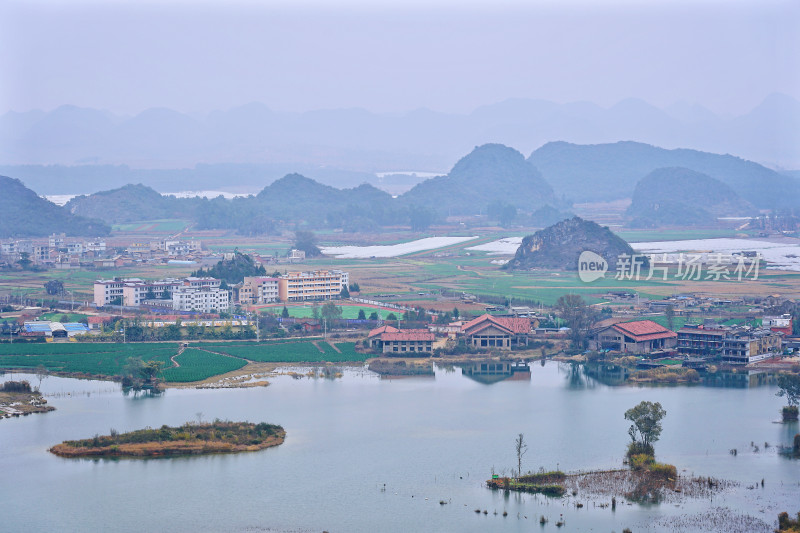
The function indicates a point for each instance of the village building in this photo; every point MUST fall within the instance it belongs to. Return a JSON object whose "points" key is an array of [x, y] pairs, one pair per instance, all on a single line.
{"points": [[639, 337], [744, 347], [700, 341], [407, 341], [259, 290], [315, 285], [488, 331]]}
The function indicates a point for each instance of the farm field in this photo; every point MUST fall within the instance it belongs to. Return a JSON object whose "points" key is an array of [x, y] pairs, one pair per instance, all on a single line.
{"points": [[307, 311], [97, 359], [199, 361], [169, 225], [295, 352], [197, 365]]}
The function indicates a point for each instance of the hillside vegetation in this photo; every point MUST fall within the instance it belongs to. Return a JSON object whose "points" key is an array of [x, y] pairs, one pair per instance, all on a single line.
{"points": [[683, 197], [23, 213]]}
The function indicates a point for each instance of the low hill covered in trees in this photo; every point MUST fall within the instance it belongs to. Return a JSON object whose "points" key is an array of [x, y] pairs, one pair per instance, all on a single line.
{"points": [[23, 213], [490, 174], [683, 197]]}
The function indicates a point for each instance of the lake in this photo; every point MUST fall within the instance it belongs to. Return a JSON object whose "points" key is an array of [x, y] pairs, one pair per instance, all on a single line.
{"points": [[366, 454]]}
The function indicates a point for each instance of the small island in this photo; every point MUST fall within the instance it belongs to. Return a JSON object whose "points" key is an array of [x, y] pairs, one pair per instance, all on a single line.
{"points": [[18, 398], [188, 439]]}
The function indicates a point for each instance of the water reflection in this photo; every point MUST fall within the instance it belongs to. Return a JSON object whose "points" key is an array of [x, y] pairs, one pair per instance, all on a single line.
{"points": [[490, 371]]}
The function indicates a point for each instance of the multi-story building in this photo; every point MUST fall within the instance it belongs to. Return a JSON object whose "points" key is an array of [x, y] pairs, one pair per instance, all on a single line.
{"points": [[259, 290], [202, 299], [135, 291], [780, 324], [700, 341], [744, 347], [106, 291], [316, 285]]}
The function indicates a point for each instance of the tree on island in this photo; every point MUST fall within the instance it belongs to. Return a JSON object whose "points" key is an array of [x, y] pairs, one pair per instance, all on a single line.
{"points": [[646, 427], [789, 386], [306, 241]]}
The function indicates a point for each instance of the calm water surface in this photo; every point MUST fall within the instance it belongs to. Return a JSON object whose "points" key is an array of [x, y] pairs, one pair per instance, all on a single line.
{"points": [[364, 454]]}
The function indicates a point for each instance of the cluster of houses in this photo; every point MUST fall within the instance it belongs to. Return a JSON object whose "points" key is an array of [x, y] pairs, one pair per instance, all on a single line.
{"points": [[209, 295], [734, 345], [61, 252], [486, 331]]}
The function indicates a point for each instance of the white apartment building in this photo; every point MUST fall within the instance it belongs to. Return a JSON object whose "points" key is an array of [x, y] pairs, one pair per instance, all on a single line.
{"points": [[202, 299]]}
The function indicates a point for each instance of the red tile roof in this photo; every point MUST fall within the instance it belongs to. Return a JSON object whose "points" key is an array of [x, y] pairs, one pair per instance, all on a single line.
{"points": [[408, 335], [644, 330], [382, 329], [511, 325]]}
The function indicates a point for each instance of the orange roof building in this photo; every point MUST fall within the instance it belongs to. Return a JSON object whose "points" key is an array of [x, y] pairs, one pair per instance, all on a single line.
{"points": [[640, 337]]}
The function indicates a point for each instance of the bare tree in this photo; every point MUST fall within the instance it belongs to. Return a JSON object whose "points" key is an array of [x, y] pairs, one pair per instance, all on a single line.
{"points": [[521, 448], [41, 373]]}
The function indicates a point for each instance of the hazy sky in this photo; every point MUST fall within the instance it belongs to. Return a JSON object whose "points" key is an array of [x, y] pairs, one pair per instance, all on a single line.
{"points": [[199, 56]]}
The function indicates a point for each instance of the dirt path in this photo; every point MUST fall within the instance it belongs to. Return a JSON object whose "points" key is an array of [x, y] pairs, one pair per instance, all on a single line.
{"points": [[317, 346], [175, 363]]}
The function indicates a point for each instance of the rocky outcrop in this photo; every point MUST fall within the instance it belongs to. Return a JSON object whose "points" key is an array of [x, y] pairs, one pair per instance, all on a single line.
{"points": [[559, 246]]}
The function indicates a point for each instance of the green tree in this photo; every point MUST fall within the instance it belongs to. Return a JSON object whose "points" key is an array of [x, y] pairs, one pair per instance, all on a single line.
{"points": [[307, 242], [646, 426], [354, 287], [285, 312], [373, 315], [344, 293], [455, 313], [151, 294], [789, 386], [669, 313], [24, 260], [420, 218], [331, 312], [578, 316], [54, 287], [362, 315], [391, 316], [315, 311]]}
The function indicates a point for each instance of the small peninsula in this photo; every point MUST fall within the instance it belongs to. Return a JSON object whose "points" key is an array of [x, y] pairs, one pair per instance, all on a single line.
{"points": [[18, 398], [188, 439]]}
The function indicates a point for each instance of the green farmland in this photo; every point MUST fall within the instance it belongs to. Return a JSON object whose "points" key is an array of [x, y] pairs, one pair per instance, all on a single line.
{"points": [[199, 362], [197, 365]]}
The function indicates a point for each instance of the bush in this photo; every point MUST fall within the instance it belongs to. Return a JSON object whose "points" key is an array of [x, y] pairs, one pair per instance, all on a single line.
{"points": [[789, 413], [639, 448], [16, 386], [663, 471], [641, 461]]}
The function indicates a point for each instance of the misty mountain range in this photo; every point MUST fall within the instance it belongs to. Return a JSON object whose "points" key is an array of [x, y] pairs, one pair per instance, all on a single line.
{"points": [[251, 145]]}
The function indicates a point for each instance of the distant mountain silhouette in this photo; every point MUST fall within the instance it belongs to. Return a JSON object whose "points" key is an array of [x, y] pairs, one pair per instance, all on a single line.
{"points": [[358, 141], [586, 173], [683, 197]]}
